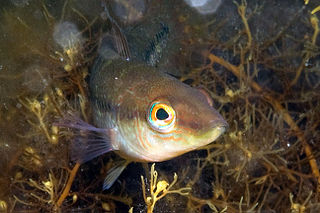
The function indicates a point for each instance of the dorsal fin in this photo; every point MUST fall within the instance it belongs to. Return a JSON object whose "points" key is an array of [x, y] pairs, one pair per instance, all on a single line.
{"points": [[120, 40], [121, 43]]}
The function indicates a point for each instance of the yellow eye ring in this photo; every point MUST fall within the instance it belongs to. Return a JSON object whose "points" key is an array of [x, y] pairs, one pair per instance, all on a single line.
{"points": [[161, 117]]}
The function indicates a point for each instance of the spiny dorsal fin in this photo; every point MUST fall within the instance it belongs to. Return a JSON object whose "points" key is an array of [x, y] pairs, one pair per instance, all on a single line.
{"points": [[120, 40]]}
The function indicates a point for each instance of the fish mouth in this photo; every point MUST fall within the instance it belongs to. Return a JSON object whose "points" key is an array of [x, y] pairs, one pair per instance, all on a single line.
{"points": [[215, 129], [218, 123]]}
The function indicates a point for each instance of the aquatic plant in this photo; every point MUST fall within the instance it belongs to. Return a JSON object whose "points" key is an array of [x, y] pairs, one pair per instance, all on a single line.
{"points": [[159, 189]]}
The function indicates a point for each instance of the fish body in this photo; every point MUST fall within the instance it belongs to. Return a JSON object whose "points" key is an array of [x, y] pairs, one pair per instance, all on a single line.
{"points": [[124, 94], [140, 112]]}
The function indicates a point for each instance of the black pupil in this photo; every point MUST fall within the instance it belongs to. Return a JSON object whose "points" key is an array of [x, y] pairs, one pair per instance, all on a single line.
{"points": [[162, 114]]}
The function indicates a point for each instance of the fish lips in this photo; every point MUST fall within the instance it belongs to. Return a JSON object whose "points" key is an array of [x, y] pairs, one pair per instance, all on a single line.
{"points": [[219, 123], [214, 128], [218, 127]]}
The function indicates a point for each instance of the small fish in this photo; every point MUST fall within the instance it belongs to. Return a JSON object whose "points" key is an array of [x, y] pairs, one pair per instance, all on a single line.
{"points": [[151, 116], [143, 114]]}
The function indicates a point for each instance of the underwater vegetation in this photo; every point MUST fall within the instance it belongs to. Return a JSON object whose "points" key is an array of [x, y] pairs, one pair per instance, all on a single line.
{"points": [[258, 60]]}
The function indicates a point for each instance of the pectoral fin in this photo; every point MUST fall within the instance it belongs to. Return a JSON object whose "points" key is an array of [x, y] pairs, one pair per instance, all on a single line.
{"points": [[89, 142], [114, 173]]}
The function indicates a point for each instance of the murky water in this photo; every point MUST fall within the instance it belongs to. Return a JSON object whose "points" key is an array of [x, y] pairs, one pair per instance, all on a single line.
{"points": [[258, 60]]}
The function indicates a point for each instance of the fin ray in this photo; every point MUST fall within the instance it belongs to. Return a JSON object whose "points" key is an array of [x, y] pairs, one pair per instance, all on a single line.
{"points": [[89, 142], [119, 38], [114, 173]]}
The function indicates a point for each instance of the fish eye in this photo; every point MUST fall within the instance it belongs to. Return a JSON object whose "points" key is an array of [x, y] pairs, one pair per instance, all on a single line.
{"points": [[161, 117], [162, 114]]}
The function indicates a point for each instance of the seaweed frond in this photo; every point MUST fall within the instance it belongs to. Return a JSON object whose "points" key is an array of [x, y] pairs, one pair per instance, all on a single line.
{"points": [[159, 189]]}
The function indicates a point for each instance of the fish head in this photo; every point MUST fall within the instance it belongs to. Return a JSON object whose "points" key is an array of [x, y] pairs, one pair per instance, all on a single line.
{"points": [[197, 120], [180, 120]]}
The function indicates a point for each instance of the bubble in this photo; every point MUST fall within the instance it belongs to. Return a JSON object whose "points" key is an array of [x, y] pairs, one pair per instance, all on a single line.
{"points": [[129, 11], [204, 6], [67, 35]]}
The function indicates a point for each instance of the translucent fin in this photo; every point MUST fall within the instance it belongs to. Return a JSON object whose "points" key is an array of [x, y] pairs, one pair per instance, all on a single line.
{"points": [[107, 49], [73, 121], [155, 49], [114, 173], [89, 142], [85, 149], [121, 43], [114, 45]]}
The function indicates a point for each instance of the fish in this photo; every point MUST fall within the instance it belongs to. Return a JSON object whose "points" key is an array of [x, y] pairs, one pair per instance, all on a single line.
{"points": [[151, 116], [141, 113]]}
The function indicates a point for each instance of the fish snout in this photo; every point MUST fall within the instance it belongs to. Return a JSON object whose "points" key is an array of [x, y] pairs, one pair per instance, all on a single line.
{"points": [[219, 123]]}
